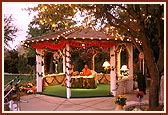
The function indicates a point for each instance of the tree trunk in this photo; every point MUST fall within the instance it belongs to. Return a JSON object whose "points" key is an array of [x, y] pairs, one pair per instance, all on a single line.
{"points": [[160, 61], [153, 71]]}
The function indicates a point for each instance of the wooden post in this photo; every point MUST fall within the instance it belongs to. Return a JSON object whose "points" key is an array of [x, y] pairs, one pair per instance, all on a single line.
{"points": [[39, 73], [68, 76], [112, 72]]}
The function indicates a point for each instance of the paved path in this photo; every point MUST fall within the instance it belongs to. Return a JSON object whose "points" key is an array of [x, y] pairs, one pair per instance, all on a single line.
{"points": [[45, 103]]}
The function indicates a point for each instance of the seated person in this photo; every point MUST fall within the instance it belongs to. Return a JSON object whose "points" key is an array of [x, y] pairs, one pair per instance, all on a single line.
{"points": [[86, 71]]}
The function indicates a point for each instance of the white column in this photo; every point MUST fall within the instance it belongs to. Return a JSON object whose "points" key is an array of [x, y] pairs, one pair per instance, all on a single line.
{"points": [[42, 62], [118, 62], [112, 72], [130, 60], [39, 71], [64, 68], [68, 77], [129, 85]]}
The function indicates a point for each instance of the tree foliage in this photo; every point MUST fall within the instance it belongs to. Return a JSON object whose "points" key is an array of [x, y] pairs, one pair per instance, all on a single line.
{"points": [[18, 60], [10, 30], [22, 65], [10, 61], [51, 17]]}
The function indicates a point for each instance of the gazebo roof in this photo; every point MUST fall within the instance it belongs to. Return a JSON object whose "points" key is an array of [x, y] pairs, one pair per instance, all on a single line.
{"points": [[79, 34]]}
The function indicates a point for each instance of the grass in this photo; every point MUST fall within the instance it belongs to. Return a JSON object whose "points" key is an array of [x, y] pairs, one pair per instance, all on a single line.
{"points": [[102, 90], [24, 79]]}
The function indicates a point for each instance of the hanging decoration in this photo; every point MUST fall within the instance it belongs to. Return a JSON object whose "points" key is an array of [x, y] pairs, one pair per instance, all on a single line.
{"points": [[49, 45], [77, 44], [40, 74]]}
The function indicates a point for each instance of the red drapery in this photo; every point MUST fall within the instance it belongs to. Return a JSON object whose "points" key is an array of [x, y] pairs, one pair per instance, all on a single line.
{"points": [[78, 44], [46, 44]]}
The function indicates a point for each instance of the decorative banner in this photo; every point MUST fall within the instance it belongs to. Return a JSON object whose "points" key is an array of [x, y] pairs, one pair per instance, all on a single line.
{"points": [[77, 44]]}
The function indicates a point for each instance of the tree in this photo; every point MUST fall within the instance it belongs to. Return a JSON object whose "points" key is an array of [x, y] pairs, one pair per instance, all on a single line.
{"points": [[10, 30], [10, 61], [25, 60], [22, 65], [51, 17]]}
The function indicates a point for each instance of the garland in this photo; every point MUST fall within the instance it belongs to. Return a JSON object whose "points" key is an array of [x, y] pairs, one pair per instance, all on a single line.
{"points": [[53, 79], [61, 81], [103, 76], [45, 80]]}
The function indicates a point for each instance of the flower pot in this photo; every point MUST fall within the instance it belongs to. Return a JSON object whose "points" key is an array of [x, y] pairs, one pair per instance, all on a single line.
{"points": [[139, 99], [119, 107]]}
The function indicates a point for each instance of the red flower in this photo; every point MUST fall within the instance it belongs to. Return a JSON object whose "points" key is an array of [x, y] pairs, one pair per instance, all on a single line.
{"points": [[139, 94]]}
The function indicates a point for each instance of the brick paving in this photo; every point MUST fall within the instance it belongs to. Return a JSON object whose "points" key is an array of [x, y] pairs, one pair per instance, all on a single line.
{"points": [[43, 103]]}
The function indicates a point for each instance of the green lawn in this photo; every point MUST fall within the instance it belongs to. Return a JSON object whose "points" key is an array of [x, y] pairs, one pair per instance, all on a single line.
{"points": [[25, 78], [102, 90]]}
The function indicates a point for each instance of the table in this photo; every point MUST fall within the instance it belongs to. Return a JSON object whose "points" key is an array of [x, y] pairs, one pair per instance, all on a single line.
{"points": [[83, 82]]}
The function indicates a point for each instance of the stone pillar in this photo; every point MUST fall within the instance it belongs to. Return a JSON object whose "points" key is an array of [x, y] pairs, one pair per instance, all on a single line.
{"points": [[68, 76], [39, 73], [112, 72]]}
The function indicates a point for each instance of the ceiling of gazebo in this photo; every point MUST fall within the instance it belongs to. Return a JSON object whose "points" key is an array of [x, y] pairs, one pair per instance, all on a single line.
{"points": [[77, 35]]}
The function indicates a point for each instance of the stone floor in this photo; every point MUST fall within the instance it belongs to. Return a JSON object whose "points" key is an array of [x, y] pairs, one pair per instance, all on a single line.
{"points": [[45, 104]]}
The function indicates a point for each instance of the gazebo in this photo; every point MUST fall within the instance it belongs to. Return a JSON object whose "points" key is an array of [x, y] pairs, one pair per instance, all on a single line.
{"points": [[81, 37]]}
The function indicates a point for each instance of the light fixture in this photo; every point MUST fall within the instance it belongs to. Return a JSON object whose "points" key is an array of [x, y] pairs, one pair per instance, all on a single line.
{"points": [[106, 65], [124, 68]]}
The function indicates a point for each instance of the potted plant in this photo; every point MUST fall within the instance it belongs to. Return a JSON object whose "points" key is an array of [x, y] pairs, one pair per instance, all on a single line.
{"points": [[139, 95], [120, 101], [28, 88]]}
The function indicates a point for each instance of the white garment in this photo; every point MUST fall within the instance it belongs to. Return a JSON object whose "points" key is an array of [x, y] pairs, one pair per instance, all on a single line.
{"points": [[135, 85]]}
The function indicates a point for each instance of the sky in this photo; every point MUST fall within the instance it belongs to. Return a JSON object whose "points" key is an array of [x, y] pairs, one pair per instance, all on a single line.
{"points": [[21, 18]]}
